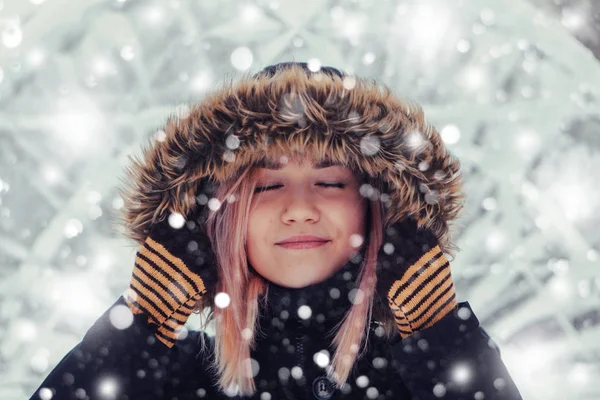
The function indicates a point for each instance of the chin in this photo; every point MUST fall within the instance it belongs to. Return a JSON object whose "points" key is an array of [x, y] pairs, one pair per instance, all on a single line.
{"points": [[312, 281], [299, 283]]}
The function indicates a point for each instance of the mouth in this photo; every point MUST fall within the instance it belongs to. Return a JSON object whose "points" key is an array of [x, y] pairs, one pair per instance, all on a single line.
{"points": [[303, 245]]}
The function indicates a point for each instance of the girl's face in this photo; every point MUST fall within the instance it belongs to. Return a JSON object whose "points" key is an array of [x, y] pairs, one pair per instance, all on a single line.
{"points": [[299, 198]]}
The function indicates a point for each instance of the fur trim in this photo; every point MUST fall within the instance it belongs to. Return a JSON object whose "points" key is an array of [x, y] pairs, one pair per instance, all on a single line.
{"points": [[352, 120]]}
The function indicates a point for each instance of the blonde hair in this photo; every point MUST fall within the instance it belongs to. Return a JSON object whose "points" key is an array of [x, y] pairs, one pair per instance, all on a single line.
{"points": [[235, 325]]}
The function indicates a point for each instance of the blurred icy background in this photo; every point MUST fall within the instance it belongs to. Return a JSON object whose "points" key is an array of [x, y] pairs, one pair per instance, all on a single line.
{"points": [[513, 86]]}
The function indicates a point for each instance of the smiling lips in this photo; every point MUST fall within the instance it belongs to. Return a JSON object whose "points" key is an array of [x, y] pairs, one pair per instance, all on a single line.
{"points": [[302, 245], [303, 242]]}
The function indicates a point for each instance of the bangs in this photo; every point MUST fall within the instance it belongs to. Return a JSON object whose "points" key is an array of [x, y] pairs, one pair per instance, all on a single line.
{"points": [[280, 152]]}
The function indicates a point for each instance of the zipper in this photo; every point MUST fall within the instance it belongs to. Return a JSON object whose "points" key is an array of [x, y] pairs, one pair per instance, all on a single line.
{"points": [[300, 352], [300, 345]]}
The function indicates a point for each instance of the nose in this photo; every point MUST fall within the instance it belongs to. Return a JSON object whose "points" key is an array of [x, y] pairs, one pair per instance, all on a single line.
{"points": [[299, 206]]}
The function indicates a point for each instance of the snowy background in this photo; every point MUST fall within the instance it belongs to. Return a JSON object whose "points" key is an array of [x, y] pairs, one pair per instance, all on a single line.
{"points": [[512, 85]]}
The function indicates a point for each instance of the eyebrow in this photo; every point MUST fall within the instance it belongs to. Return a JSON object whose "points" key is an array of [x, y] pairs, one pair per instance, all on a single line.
{"points": [[273, 165]]}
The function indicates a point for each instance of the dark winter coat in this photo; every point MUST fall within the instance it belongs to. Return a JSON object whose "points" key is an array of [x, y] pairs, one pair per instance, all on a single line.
{"points": [[361, 125], [423, 366]]}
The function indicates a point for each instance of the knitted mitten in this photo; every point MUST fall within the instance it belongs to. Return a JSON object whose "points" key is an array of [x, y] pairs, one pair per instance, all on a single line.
{"points": [[414, 275], [173, 269]]}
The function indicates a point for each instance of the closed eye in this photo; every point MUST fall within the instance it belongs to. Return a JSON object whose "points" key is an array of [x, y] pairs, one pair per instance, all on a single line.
{"points": [[327, 185]]}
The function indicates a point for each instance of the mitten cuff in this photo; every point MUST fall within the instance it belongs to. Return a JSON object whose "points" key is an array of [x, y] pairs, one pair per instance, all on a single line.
{"points": [[424, 294]]}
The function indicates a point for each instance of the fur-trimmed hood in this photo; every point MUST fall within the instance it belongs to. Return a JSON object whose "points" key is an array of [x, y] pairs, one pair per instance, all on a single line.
{"points": [[351, 119]]}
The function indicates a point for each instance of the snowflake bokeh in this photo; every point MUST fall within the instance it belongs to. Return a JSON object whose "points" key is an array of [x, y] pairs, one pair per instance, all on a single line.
{"points": [[511, 86]]}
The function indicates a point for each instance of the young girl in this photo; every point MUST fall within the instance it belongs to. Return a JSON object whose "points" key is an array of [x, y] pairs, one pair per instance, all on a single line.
{"points": [[307, 215]]}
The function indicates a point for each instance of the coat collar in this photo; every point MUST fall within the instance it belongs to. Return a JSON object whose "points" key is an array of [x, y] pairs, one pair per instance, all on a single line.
{"points": [[327, 300]]}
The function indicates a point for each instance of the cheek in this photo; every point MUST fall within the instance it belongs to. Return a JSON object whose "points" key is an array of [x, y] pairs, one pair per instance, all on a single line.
{"points": [[253, 235], [351, 216], [359, 217], [258, 221]]}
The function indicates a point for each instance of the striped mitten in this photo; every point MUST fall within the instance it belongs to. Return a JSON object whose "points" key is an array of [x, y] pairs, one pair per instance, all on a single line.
{"points": [[414, 275], [173, 269]]}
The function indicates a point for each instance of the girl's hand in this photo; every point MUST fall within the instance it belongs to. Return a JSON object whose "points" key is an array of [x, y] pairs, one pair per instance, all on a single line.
{"points": [[173, 269], [414, 275]]}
